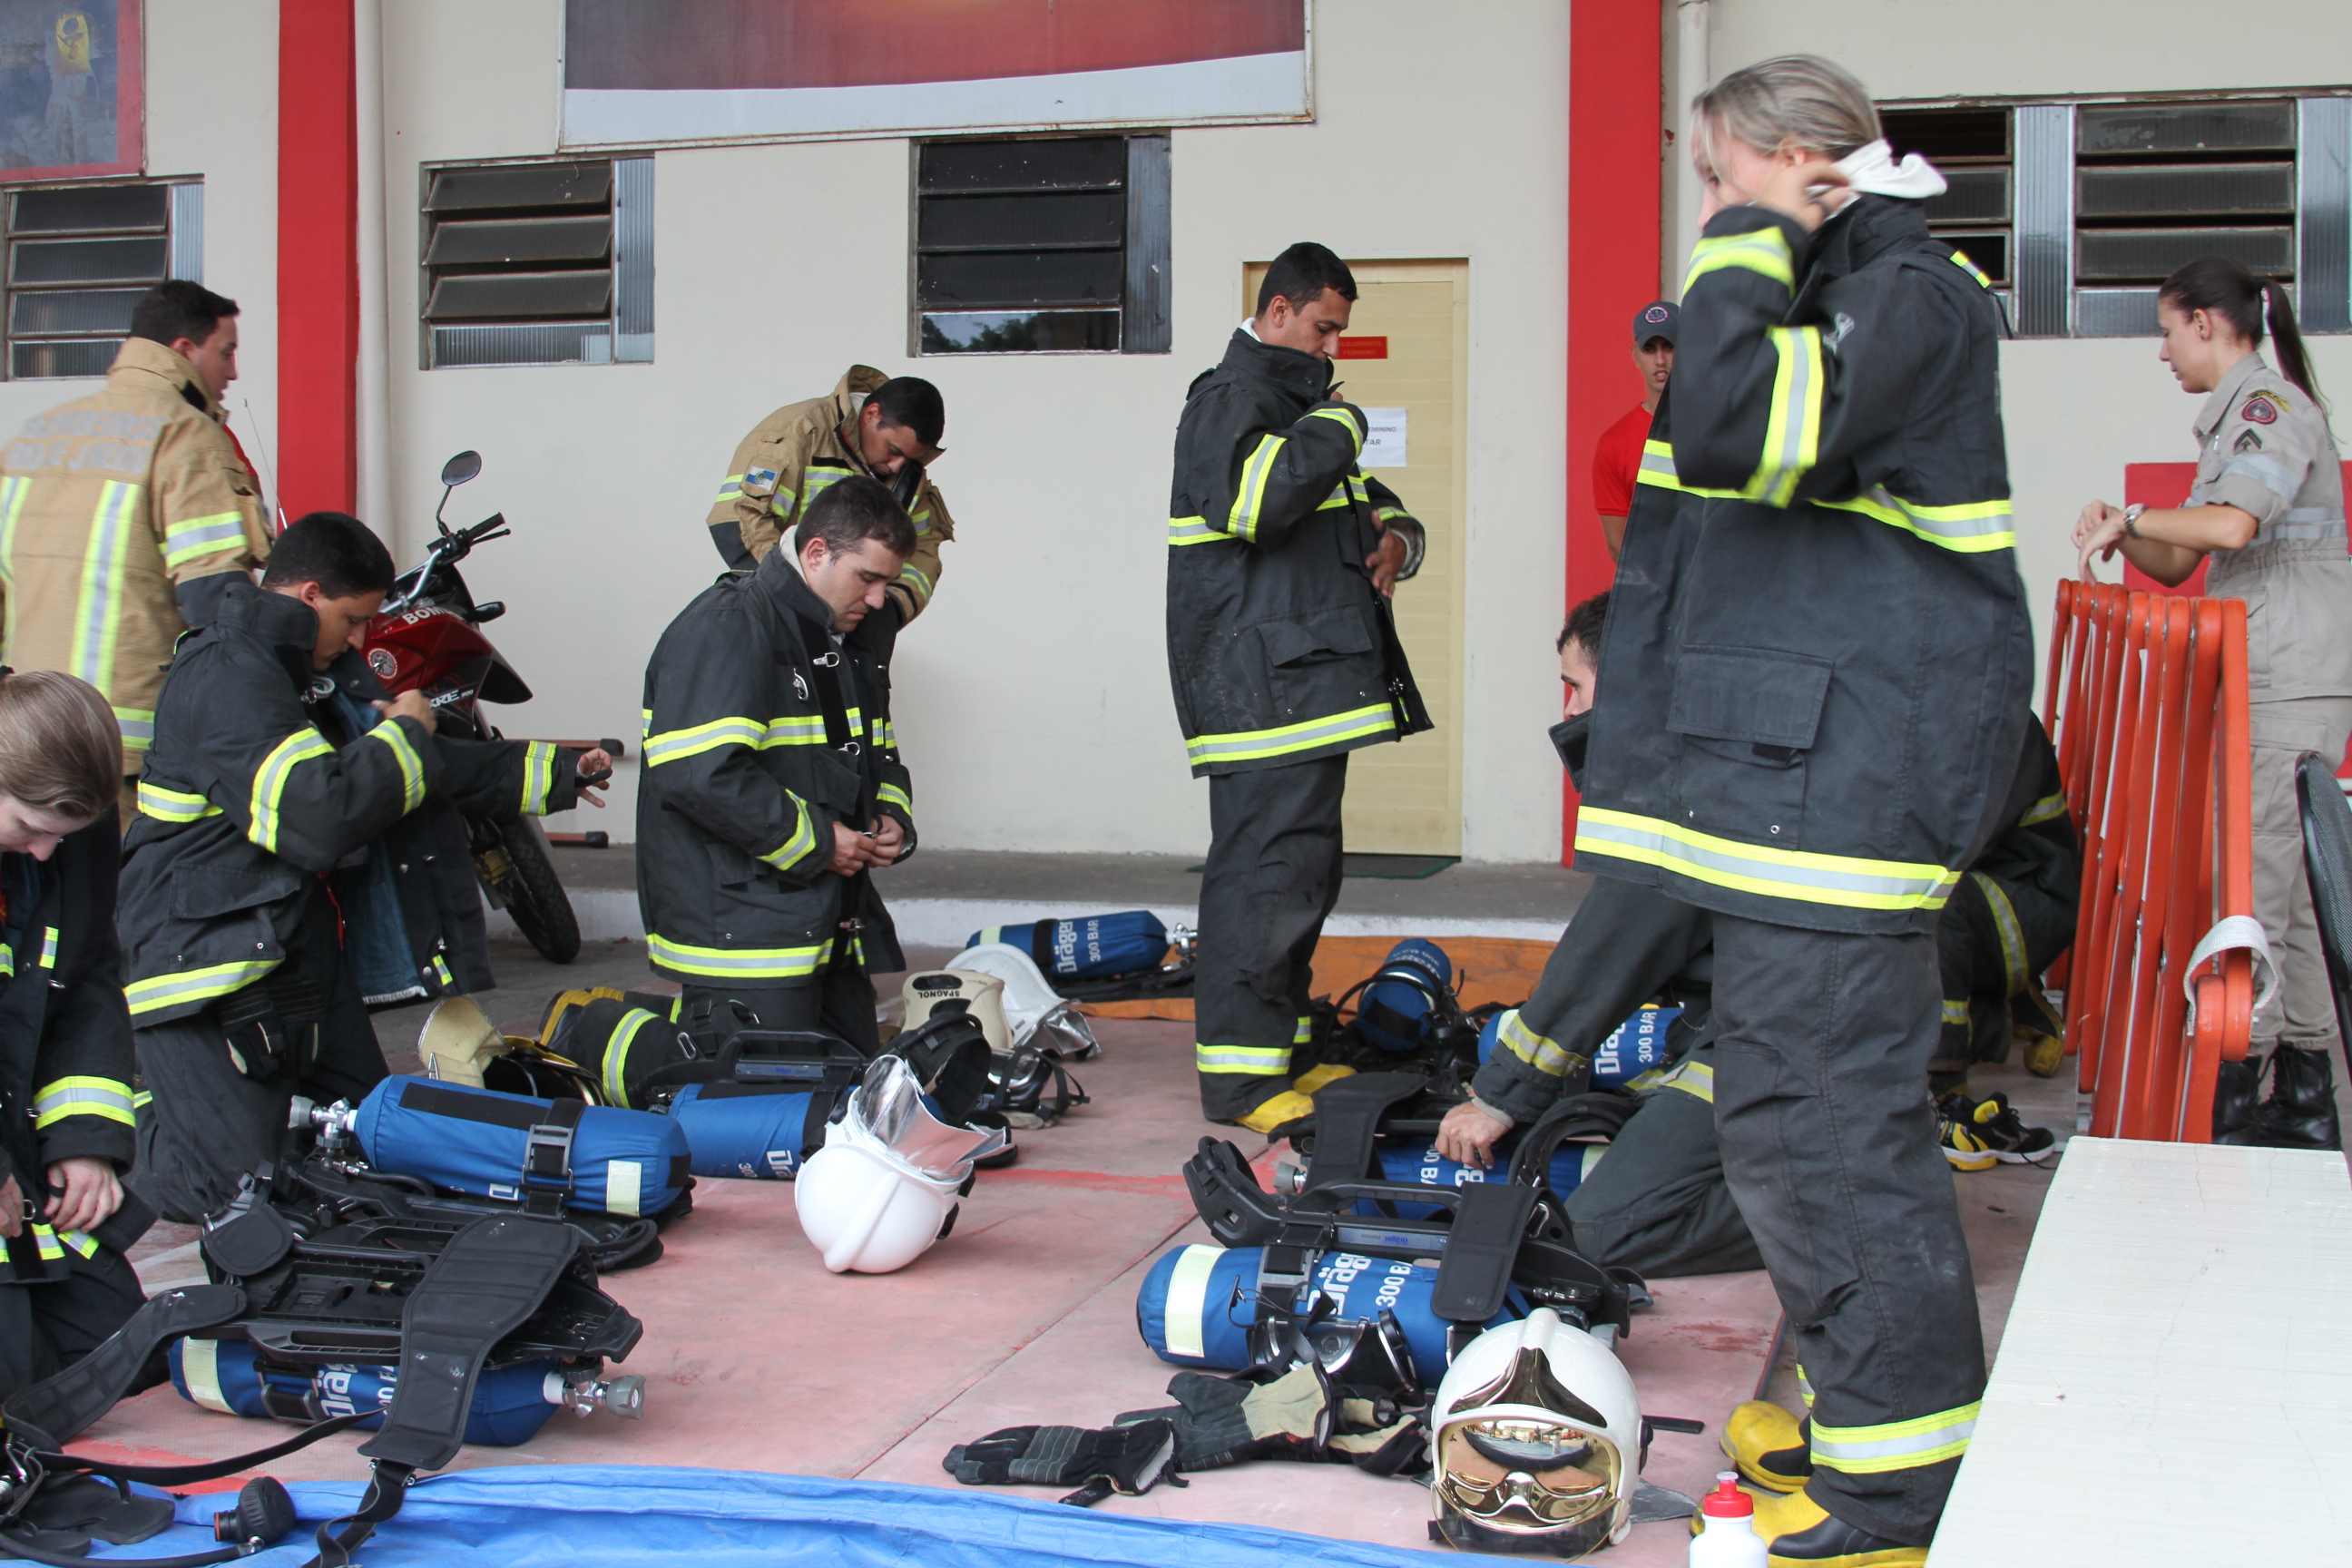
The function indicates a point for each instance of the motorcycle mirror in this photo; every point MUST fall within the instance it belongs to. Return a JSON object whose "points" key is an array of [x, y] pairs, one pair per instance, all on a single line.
{"points": [[461, 468]]}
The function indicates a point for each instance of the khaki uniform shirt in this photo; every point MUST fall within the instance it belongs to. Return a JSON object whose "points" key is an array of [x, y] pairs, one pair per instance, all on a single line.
{"points": [[2264, 448], [786, 463], [106, 505]]}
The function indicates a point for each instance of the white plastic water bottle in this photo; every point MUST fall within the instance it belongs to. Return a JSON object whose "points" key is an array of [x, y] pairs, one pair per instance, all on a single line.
{"points": [[1728, 1538]]}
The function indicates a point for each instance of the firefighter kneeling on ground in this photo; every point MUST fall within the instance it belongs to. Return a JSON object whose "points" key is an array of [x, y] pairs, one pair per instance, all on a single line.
{"points": [[1657, 1201], [772, 784], [298, 854]]}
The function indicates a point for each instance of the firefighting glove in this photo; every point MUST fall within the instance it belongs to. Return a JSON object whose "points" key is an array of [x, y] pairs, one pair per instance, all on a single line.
{"points": [[1127, 1460], [1298, 1414]]}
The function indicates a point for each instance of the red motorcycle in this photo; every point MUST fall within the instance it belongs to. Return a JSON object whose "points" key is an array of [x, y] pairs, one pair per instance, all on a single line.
{"points": [[425, 638]]}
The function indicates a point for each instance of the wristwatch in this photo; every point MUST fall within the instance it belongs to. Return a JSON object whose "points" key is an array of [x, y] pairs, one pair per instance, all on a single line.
{"points": [[2131, 518]]}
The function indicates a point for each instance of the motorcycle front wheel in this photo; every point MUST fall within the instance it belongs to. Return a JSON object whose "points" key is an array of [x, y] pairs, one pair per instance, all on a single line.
{"points": [[510, 857]]}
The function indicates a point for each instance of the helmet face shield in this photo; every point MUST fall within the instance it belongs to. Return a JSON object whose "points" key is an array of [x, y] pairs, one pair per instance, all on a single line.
{"points": [[1543, 1485], [888, 1108]]}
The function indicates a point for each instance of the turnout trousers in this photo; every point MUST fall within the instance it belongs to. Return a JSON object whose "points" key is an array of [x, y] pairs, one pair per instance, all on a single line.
{"points": [[1658, 1203], [1272, 877], [204, 1123], [47, 1325], [2303, 1015], [1829, 1144]]}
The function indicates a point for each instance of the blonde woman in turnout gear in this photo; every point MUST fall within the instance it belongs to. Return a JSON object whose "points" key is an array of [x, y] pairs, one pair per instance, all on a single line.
{"points": [[1818, 663], [2268, 511], [124, 514], [64, 1037]]}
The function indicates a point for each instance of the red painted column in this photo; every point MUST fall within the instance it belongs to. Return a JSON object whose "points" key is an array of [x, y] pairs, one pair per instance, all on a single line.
{"points": [[1614, 60], [317, 258]]}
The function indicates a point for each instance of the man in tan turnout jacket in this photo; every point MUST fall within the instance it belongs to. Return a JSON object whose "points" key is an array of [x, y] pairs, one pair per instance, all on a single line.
{"points": [[123, 514], [885, 426]]}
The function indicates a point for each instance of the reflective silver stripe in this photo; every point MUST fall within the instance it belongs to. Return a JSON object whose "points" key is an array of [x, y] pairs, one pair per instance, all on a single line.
{"points": [[192, 537], [138, 727], [803, 839], [269, 782], [1956, 1013], [676, 745], [1895, 1444], [412, 766], [792, 729], [616, 1056], [162, 991], [1773, 873], [2013, 932], [1184, 531], [1248, 744], [538, 776], [1303, 1033], [103, 1096], [1792, 434]]}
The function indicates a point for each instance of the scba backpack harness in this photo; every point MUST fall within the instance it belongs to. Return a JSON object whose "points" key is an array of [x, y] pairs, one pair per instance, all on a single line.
{"points": [[297, 1266]]}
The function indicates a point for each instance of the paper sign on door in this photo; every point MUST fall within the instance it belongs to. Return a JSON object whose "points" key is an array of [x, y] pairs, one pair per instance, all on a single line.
{"points": [[1384, 444]]}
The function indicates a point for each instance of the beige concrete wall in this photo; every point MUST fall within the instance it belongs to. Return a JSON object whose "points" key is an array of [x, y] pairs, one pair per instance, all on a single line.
{"points": [[1033, 697], [1936, 48], [212, 111]]}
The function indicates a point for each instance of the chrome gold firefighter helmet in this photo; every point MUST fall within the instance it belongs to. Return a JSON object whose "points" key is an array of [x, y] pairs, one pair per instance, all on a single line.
{"points": [[1535, 1441]]}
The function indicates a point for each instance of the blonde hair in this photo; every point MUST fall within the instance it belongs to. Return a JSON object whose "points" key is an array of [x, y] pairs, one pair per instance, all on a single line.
{"points": [[1794, 100], [60, 747]]}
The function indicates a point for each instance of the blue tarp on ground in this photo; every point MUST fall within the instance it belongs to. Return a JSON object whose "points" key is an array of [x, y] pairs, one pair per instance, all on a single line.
{"points": [[628, 1516]]}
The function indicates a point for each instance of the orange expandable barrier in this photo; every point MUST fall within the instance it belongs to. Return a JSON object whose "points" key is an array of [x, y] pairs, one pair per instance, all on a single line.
{"points": [[2145, 703]]}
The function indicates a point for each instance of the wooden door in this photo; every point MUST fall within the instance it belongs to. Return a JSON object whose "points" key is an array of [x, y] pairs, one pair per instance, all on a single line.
{"points": [[1406, 355]]}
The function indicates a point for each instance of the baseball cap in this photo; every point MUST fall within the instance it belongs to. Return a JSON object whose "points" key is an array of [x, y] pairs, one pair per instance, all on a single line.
{"points": [[1658, 319]]}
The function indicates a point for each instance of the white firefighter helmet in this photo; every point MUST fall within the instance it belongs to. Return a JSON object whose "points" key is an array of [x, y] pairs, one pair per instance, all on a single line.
{"points": [[1039, 1014], [929, 991], [1535, 1442], [884, 1187]]}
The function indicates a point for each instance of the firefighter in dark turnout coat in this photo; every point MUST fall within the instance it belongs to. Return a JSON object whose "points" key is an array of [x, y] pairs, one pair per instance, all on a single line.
{"points": [[773, 783], [65, 1038], [1284, 660], [1818, 663], [281, 816]]}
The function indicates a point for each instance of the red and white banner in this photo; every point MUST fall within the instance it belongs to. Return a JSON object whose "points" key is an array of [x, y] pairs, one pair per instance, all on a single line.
{"points": [[703, 70]]}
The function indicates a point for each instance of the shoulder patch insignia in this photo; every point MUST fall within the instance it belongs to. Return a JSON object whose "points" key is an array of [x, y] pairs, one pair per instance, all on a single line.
{"points": [[2248, 442], [2262, 408]]}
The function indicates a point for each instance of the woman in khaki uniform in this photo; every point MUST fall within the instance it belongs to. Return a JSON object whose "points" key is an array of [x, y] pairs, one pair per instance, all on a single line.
{"points": [[2268, 508]]}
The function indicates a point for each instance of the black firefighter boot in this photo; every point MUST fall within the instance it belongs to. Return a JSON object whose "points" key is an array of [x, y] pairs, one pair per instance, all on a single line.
{"points": [[2301, 1110], [2235, 1089]]}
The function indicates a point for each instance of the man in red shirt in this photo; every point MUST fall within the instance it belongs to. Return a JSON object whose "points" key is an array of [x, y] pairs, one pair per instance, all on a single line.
{"points": [[1618, 457]]}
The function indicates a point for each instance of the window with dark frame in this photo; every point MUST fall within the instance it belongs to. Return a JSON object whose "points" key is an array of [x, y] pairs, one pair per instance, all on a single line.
{"points": [[544, 263], [80, 257], [2078, 211], [1041, 245], [1972, 148]]}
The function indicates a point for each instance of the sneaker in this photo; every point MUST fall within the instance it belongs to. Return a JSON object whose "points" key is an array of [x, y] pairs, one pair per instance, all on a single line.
{"points": [[1959, 1139], [1994, 1126]]}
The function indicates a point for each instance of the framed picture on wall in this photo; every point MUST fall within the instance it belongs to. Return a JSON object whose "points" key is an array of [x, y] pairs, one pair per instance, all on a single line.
{"points": [[71, 105]]}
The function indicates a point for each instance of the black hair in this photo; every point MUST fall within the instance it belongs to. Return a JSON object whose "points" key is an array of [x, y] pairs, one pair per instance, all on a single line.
{"points": [[1584, 628], [912, 404], [1301, 273], [851, 511], [178, 309], [2221, 286], [332, 549]]}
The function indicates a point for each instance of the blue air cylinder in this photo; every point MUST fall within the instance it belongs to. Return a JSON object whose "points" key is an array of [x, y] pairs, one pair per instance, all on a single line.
{"points": [[1092, 947], [511, 1403], [1633, 1048]]}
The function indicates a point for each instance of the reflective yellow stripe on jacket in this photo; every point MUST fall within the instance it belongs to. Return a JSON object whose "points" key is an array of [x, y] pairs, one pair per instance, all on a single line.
{"points": [[1249, 497], [677, 745], [802, 840], [1539, 1051], [1249, 745], [538, 776], [103, 1096], [1969, 527], [891, 794], [738, 963], [270, 782], [1793, 435], [98, 608], [1800, 874], [192, 537], [1184, 531], [412, 766], [1760, 250], [153, 995], [172, 805], [1894, 1445]]}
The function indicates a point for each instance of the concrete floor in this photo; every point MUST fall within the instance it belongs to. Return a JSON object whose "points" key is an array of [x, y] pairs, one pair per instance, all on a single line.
{"points": [[757, 1359]]}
